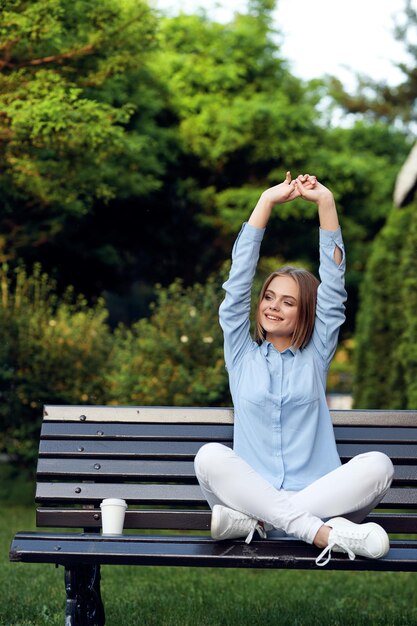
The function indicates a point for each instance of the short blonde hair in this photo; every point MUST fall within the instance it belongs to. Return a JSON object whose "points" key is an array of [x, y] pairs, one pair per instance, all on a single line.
{"points": [[307, 287]]}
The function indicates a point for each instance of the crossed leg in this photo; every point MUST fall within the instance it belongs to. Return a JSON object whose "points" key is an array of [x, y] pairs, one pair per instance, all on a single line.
{"points": [[351, 491]]}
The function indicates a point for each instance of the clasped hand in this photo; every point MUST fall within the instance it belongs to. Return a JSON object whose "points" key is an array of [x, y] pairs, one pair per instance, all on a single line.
{"points": [[304, 186]]}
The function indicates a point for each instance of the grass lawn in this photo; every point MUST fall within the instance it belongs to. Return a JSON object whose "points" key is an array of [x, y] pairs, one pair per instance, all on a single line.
{"points": [[32, 594]]}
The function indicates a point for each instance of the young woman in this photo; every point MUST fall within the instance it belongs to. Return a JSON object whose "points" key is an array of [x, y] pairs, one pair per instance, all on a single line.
{"points": [[284, 472]]}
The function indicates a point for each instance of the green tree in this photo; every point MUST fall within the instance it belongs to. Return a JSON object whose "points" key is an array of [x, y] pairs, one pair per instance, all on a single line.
{"points": [[386, 338], [377, 99], [62, 125], [152, 142], [243, 119], [379, 377], [406, 283]]}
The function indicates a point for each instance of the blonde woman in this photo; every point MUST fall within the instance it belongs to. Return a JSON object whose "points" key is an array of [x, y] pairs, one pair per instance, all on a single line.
{"points": [[284, 472]]}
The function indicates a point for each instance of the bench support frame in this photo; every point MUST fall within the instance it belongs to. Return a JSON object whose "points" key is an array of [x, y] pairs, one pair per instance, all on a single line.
{"points": [[84, 606]]}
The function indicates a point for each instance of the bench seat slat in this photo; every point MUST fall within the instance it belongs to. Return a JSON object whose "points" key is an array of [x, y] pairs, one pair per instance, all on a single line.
{"points": [[135, 519], [185, 519], [154, 414], [175, 550], [98, 469], [213, 432], [169, 493], [126, 449], [187, 450], [109, 430], [216, 415], [95, 492]]}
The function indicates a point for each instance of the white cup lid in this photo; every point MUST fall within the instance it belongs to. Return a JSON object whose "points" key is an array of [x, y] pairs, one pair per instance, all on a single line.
{"points": [[113, 502]]}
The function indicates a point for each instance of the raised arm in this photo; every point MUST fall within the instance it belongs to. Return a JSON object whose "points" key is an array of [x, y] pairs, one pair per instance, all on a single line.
{"points": [[331, 294], [235, 308]]}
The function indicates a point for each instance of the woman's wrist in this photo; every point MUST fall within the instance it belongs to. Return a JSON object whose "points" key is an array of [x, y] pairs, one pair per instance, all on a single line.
{"points": [[326, 201], [262, 211], [266, 200]]}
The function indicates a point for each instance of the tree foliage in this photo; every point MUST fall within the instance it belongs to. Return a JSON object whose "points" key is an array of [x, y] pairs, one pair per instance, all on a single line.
{"points": [[126, 134], [379, 373], [64, 145], [386, 338], [377, 99]]}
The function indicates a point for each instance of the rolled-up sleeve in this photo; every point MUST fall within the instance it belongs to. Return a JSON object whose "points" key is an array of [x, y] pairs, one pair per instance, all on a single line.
{"points": [[331, 296], [234, 311]]}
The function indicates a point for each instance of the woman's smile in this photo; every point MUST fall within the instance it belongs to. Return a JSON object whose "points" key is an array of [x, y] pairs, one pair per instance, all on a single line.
{"points": [[273, 317]]}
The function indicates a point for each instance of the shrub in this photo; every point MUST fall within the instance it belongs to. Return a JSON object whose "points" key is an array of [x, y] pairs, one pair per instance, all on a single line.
{"points": [[176, 356], [386, 340], [52, 350]]}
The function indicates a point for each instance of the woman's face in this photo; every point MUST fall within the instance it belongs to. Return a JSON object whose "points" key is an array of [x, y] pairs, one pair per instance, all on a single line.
{"points": [[279, 310]]}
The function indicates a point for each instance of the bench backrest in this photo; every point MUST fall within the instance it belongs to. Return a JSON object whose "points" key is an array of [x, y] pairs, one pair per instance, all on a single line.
{"points": [[145, 455]]}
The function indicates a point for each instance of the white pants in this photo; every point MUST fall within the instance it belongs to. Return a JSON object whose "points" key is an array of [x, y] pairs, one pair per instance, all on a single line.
{"points": [[352, 491]]}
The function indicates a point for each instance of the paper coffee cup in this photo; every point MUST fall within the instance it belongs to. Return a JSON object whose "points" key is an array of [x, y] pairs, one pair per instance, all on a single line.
{"points": [[112, 516]]}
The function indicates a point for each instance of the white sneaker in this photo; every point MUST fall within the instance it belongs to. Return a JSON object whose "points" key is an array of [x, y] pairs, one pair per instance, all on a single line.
{"points": [[230, 524], [368, 540]]}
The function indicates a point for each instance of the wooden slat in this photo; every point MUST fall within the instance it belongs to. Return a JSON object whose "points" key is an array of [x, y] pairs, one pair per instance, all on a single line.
{"points": [[166, 494], [206, 432], [185, 520], [161, 519], [375, 434], [355, 417], [203, 415], [135, 493], [123, 449], [123, 431], [186, 450], [405, 475], [98, 469], [398, 453], [195, 551], [218, 415]]}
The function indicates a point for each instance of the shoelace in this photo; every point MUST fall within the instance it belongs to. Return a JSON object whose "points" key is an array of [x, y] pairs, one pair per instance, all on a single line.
{"points": [[328, 551], [256, 526]]}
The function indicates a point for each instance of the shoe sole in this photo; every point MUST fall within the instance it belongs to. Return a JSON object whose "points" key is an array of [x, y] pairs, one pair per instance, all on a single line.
{"points": [[215, 522]]}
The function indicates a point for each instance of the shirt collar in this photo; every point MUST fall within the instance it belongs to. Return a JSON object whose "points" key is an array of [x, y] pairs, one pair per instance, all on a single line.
{"points": [[266, 346]]}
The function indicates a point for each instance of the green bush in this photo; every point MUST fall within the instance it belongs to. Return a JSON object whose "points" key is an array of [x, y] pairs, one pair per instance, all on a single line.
{"points": [[386, 336], [405, 282], [176, 356], [52, 350], [60, 350]]}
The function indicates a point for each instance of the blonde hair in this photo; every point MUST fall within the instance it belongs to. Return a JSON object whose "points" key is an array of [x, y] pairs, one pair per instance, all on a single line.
{"points": [[307, 286]]}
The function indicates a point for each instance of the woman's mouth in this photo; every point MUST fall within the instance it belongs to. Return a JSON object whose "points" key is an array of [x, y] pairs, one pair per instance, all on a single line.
{"points": [[273, 318]]}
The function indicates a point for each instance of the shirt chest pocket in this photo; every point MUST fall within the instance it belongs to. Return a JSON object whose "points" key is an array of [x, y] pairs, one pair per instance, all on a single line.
{"points": [[303, 385], [253, 383]]}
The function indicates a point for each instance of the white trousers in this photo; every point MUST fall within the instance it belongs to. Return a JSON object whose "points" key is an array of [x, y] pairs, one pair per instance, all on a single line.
{"points": [[352, 491]]}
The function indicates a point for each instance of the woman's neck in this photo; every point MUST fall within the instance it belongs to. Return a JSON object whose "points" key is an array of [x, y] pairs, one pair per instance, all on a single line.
{"points": [[280, 343]]}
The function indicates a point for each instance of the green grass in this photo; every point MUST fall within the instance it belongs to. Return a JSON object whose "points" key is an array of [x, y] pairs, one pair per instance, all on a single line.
{"points": [[32, 594]]}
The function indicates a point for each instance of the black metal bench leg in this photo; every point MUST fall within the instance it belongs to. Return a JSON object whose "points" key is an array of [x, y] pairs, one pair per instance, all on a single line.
{"points": [[84, 605]]}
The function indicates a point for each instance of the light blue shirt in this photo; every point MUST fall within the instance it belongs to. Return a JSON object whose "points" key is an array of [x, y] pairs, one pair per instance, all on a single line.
{"points": [[282, 424]]}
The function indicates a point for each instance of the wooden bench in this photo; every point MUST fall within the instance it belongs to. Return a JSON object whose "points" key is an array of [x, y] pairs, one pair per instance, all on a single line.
{"points": [[145, 455]]}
